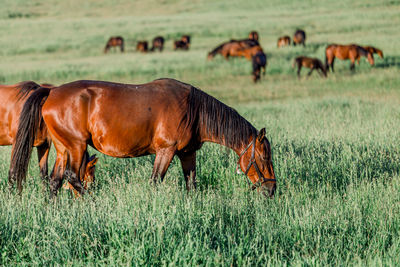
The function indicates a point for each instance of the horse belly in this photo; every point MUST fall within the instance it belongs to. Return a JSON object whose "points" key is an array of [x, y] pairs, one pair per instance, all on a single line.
{"points": [[124, 142]]}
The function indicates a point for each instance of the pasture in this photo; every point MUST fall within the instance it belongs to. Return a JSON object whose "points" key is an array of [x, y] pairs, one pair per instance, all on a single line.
{"points": [[335, 141]]}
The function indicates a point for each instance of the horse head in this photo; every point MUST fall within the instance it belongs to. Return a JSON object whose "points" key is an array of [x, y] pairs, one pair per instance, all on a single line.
{"points": [[256, 162]]}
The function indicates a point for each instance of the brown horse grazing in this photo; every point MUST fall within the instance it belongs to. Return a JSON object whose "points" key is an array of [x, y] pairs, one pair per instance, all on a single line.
{"points": [[352, 52], [88, 174], [259, 60], [115, 41], [158, 43], [253, 35], [374, 50], [142, 46], [311, 63], [181, 45], [299, 37], [283, 41], [12, 99], [231, 48], [164, 117]]}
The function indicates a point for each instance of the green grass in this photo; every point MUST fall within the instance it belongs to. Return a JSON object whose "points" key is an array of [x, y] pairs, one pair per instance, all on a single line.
{"points": [[335, 141]]}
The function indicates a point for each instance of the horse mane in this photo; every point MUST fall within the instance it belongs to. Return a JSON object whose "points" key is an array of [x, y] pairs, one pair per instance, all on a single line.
{"points": [[25, 87], [218, 49], [207, 114], [363, 52]]}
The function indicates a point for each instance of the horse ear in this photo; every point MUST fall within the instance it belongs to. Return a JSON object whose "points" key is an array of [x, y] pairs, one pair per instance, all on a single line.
{"points": [[261, 135]]}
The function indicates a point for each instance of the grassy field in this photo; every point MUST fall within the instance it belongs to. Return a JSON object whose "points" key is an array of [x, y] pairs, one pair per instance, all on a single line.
{"points": [[335, 141]]}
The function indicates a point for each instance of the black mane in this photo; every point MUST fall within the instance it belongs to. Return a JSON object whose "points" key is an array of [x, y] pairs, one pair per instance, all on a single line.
{"points": [[207, 114], [218, 48]]}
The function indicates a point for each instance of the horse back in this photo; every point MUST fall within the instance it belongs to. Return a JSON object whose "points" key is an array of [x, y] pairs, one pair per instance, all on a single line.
{"points": [[119, 120]]}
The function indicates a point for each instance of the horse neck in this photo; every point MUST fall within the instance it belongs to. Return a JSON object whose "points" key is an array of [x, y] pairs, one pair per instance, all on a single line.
{"points": [[238, 147]]}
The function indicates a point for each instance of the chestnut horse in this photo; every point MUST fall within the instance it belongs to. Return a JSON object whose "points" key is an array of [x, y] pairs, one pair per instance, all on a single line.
{"points": [[352, 52], [299, 38], [231, 48], [115, 41], [283, 41], [142, 46], [12, 99], [374, 50], [158, 43], [253, 36], [311, 63], [164, 117], [259, 61]]}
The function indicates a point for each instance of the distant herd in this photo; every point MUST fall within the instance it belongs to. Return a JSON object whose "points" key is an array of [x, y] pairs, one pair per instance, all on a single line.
{"points": [[251, 49]]}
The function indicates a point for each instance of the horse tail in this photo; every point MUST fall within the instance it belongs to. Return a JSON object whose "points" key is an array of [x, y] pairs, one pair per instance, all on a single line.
{"points": [[30, 120], [24, 88]]}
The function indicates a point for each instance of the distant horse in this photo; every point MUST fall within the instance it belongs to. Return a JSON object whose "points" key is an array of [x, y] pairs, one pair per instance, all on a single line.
{"points": [[259, 60], [374, 50], [343, 52], [164, 117], [12, 99], [158, 43], [253, 36], [231, 48], [311, 63], [283, 41], [88, 174], [142, 46], [299, 37], [181, 45], [115, 41]]}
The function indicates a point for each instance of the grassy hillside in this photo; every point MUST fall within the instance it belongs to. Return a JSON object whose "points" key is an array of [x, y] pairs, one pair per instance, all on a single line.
{"points": [[335, 141]]}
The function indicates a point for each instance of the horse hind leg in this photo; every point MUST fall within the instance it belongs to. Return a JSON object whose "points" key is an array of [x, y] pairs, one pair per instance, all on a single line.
{"points": [[68, 165], [161, 163], [309, 73], [43, 155], [188, 162]]}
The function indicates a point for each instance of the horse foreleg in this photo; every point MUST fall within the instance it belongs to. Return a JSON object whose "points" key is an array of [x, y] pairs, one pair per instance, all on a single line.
{"points": [[161, 163], [188, 162], [299, 66], [56, 176]]}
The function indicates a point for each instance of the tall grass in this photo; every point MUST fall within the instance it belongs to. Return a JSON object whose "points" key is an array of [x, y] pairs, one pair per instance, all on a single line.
{"points": [[334, 141]]}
